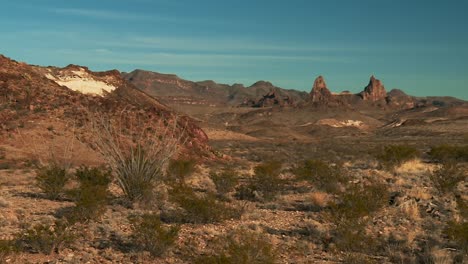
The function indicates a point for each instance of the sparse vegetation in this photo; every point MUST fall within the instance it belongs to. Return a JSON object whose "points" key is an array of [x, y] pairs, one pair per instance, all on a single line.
{"points": [[449, 153], [149, 233], [7, 249], [52, 179], [92, 194], [137, 156], [241, 247], [224, 181], [458, 233], [46, 238], [265, 183], [395, 155], [179, 170], [199, 209], [351, 213], [446, 179], [319, 173]]}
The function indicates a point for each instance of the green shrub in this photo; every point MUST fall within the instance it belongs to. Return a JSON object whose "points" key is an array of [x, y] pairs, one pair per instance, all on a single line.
{"points": [[7, 249], [224, 181], [265, 185], [446, 178], [395, 155], [52, 179], [350, 214], [92, 194], [359, 201], [149, 234], [241, 247], [458, 233], [320, 174], [355, 258], [179, 170], [449, 153], [199, 209], [46, 238]]}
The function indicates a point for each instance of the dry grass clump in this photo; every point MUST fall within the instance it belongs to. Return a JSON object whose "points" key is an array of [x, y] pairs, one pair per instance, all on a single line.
{"points": [[411, 210], [413, 166], [241, 247], [395, 155], [319, 173], [149, 233], [319, 199]]}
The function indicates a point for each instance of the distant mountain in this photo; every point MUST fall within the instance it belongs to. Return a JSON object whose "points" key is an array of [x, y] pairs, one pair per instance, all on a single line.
{"points": [[171, 88]]}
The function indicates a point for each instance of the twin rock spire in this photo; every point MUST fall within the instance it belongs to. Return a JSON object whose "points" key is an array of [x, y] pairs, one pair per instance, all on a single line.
{"points": [[374, 91]]}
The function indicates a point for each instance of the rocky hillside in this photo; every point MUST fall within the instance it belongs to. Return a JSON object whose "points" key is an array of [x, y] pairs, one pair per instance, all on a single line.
{"points": [[35, 99]]}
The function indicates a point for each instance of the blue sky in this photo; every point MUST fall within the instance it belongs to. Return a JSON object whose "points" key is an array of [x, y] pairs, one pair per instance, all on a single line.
{"points": [[418, 46]]}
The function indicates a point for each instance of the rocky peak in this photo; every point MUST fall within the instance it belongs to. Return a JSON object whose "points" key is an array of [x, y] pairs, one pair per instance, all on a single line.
{"points": [[374, 91], [320, 92]]}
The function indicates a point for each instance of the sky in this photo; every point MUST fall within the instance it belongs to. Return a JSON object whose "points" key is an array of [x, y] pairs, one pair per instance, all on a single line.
{"points": [[418, 46]]}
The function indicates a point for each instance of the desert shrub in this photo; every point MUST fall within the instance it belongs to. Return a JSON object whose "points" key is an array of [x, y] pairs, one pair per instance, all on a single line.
{"points": [[138, 156], [92, 194], [350, 214], [264, 185], [46, 238], [151, 235], [395, 155], [360, 200], [356, 258], [323, 176], [224, 181], [52, 179], [458, 233], [447, 153], [242, 247], [179, 170], [199, 209], [446, 179], [7, 249]]}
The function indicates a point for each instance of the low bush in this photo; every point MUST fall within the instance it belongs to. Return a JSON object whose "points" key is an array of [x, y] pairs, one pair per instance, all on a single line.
{"points": [[458, 233], [46, 238], [92, 194], [241, 247], [179, 170], [199, 209], [395, 155], [319, 173], [349, 215], [265, 185], [446, 179], [52, 179], [448, 153], [224, 181], [151, 235], [7, 249]]}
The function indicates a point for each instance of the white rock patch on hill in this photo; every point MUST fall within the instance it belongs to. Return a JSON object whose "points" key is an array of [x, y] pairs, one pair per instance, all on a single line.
{"points": [[83, 82]]}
